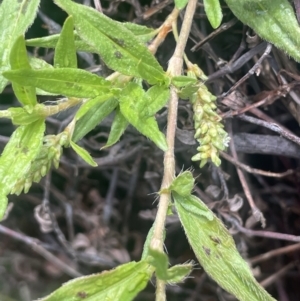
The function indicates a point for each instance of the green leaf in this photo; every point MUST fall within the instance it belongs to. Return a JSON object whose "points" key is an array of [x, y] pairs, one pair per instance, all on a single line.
{"points": [[51, 41], [37, 63], [269, 20], [120, 284], [143, 33], [91, 103], [117, 46], [70, 82], [183, 81], [157, 96], [19, 60], [180, 4], [183, 183], [117, 129], [174, 274], [179, 272], [65, 51], [161, 263], [22, 116], [132, 101], [15, 17], [216, 252], [196, 206], [15, 161], [93, 117], [81, 152], [213, 11], [147, 243]]}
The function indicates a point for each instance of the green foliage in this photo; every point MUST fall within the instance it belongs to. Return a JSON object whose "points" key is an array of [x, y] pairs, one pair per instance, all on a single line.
{"points": [[29, 155], [117, 46], [134, 100], [122, 283], [174, 274], [81, 152], [19, 60], [213, 11], [155, 99], [15, 17], [93, 117], [69, 82], [214, 246], [65, 51], [183, 183], [118, 127], [49, 153], [16, 158], [143, 33], [183, 81], [51, 41], [90, 104], [216, 251], [269, 20]]}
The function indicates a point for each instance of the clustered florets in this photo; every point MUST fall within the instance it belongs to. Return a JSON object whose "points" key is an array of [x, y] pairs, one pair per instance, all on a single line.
{"points": [[209, 131], [49, 153]]}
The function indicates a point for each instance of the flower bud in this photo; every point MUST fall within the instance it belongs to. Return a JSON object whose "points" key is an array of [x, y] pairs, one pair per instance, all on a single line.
{"points": [[197, 133], [197, 157], [27, 185]]}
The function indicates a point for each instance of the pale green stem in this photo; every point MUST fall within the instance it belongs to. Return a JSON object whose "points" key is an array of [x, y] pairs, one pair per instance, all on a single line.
{"points": [[52, 110], [160, 293], [5, 114], [175, 68]]}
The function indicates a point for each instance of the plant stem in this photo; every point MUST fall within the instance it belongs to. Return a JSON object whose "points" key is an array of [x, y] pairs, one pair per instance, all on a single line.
{"points": [[175, 68]]}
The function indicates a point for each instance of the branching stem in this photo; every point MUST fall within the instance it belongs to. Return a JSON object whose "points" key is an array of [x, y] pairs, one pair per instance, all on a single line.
{"points": [[175, 69]]}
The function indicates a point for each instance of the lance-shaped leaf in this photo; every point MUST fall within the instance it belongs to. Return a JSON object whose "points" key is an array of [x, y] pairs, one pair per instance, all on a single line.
{"points": [[37, 64], [143, 33], [93, 117], [157, 96], [117, 129], [81, 152], [19, 60], [92, 103], [216, 250], [120, 284], [65, 51], [213, 11], [147, 243], [51, 41], [17, 156], [132, 102], [269, 20], [117, 46], [15, 17], [70, 82]]}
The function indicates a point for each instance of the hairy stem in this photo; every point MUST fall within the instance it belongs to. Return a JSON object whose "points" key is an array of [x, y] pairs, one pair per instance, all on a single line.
{"points": [[175, 68]]}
